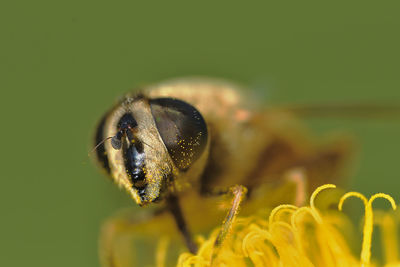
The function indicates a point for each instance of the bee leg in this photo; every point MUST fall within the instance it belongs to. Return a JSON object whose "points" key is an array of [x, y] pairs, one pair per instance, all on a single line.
{"points": [[175, 208], [238, 192], [128, 239]]}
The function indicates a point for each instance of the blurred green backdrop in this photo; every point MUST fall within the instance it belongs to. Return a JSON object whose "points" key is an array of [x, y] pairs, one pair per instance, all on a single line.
{"points": [[63, 63]]}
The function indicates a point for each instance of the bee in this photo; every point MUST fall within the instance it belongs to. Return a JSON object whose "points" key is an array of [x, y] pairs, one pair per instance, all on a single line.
{"points": [[180, 147]]}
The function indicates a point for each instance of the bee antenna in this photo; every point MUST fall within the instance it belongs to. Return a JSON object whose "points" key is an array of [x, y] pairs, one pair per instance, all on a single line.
{"points": [[115, 142], [99, 144], [147, 145]]}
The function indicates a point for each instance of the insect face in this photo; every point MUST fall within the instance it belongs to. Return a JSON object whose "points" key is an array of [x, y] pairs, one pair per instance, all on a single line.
{"points": [[156, 145]]}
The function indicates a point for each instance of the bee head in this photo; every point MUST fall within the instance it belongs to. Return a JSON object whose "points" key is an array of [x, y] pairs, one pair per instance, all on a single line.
{"points": [[153, 143]]}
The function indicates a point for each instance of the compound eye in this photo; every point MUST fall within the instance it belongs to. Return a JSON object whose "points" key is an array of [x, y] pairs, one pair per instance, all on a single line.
{"points": [[182, 129]]}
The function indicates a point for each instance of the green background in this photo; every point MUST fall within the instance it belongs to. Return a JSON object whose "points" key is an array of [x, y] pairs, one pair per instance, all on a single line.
{"points": [[63, 63]]}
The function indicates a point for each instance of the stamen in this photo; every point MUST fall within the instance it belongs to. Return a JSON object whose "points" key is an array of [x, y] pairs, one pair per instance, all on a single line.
{"points": [[368, 227], [352, 194], [317, 191], [314, 213], [280, 208], [369, 221]]}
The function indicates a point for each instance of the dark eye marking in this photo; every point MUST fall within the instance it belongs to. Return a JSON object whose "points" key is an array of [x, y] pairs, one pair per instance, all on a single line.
{"points": [[182, 129]]}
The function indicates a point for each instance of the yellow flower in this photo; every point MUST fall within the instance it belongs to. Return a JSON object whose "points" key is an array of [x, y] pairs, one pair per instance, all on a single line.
{"points": [[301, 236]]}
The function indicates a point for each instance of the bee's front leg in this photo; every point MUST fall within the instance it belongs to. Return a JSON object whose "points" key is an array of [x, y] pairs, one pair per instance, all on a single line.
{"points": [[238, 192], [176, 211]]}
